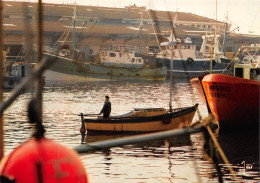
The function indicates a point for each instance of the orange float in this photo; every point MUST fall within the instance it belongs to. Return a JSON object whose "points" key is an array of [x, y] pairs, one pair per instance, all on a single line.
{"points": [[43, 161]]}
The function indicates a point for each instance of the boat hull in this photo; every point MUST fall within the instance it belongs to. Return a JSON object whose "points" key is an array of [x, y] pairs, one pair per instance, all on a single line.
{"points": [[82, 69], [233, 101], [182, 68], [11, 82], [181, 118]]}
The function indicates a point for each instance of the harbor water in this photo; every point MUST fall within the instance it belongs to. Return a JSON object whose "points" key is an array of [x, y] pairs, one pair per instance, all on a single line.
{"points": [[179, 159]]}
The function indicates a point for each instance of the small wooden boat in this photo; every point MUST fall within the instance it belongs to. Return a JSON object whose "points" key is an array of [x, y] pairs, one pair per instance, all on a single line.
{"points": [[142, 120]]}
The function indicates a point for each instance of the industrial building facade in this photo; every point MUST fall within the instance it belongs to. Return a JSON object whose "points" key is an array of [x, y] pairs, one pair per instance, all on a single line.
{"points": [[101, 27]]}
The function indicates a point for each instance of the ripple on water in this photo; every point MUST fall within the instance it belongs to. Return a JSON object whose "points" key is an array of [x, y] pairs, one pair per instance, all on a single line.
{"points": [[151, 162]]}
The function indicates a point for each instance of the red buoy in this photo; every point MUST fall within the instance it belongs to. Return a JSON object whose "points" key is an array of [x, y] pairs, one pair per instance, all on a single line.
{"points": [[43, 161]]}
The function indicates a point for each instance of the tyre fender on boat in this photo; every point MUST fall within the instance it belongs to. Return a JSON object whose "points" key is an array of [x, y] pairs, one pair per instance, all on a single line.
{"points": [[166, 119], [190, 60], [11, 82]]}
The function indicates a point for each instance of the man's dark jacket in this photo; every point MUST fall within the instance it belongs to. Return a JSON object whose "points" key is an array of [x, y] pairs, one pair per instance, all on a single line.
{"points": [[106, 109]]}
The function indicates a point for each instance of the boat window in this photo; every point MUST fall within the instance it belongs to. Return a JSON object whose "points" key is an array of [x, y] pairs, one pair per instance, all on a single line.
{"points": [[239, 72], [175, 46], [133, 59], [112, 54], [139, 60], [188, 46]]}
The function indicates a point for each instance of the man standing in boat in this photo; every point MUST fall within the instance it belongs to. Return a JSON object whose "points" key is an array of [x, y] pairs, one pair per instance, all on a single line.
{"points": [[106, 108]]}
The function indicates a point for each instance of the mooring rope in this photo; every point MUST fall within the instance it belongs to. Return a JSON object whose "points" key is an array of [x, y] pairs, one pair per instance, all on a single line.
{"points": [[210, 123]]}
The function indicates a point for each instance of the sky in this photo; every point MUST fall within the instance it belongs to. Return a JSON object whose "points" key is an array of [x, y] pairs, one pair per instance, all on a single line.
{"points": [[244, 14]]}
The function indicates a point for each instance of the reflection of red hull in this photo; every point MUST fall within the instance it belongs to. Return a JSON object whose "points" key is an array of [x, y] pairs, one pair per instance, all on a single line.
{"points": [[233, 101]]}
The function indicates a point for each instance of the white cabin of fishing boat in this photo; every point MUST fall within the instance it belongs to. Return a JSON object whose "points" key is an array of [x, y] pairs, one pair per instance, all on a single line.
{"points": [[121, 57]]}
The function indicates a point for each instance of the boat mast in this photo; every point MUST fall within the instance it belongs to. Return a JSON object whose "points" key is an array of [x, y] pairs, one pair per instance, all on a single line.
{"points": [[171, 68], [225, 33], [215, 41], [74, 32], [214, 45], [1, 82], [141, 32]]}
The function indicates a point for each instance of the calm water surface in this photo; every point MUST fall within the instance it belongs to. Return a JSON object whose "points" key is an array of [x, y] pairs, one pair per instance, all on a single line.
{"points": [[179, 161]]}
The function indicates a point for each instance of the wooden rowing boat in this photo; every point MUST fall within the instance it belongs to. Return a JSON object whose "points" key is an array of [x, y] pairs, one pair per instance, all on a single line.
{"points": [[142, 120]]}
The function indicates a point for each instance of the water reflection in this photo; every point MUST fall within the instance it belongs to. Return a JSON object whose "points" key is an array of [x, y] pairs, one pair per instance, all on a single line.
{"points": [[180, 161]]}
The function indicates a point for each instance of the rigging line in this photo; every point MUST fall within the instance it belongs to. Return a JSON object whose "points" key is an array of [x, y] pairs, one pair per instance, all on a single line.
{"points": [[233, 59], [254, 18], [153, 28], [84, 33], [27, 50], [156, 23], [66, 35], [61, 36], [222, 154], [20, 53], [81, 31]]}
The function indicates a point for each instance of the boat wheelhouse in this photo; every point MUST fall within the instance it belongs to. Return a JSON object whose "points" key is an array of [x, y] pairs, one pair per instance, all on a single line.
{"points": [[187, 62]]}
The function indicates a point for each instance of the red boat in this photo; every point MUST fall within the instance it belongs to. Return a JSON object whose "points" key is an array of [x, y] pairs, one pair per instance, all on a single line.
{"points": [[233, 100]]}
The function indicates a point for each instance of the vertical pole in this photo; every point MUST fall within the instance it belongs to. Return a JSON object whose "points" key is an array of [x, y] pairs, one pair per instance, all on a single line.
{"points": [[215, 37], [74, 34], [39, 81], [225, 37], [141, 29], [171, 68], [210, 67], [1, 81]]}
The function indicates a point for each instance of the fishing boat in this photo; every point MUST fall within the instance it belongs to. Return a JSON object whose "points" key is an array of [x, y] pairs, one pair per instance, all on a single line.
{"points": [[234, 99], [110, 66], [15, 72], [114, 64], [187, 62], [142, 120]]}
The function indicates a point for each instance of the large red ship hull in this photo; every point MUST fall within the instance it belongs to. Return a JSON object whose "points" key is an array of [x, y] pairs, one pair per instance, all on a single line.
{"points": [[233, 101]]}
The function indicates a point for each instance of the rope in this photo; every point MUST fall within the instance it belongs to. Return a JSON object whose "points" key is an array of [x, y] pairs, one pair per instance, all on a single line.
{"points": [[210, 123], [234, 57], [34, 116]]}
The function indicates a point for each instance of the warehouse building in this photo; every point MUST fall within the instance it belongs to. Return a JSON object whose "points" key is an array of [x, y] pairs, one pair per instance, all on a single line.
{"points": [[101, 27]]}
